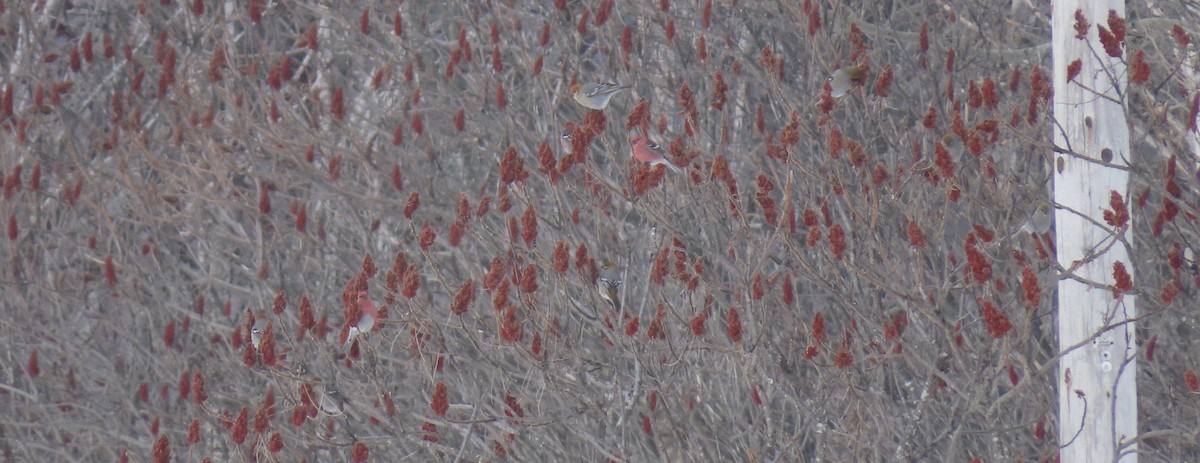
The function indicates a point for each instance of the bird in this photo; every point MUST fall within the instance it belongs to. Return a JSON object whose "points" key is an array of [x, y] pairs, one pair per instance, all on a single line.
{"points": [[649, 152], [566, 142], [1039, 222], [845, 77], [1189, 258], [333, 402], [596, 96], [609, 284], [368, 314], [256, 333]]}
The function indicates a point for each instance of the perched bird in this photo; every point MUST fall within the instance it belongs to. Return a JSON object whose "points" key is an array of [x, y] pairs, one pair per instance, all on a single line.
{"points": [[332, 401], [846, 77], [1039, 222], [368, 314], [609, 284], [256, 333], [566, 142], [1189, 258], [649, 152], [596, 96]]}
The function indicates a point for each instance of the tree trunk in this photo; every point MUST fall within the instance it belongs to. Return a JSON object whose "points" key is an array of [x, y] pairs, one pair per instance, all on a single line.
{"points": [[1097, 388]]}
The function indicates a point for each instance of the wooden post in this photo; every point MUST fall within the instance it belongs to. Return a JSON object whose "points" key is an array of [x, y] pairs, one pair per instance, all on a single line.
{"points": [[1096, 374]]}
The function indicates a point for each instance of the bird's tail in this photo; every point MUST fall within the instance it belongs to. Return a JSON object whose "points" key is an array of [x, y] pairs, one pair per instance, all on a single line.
{"points": [[673, 167]]}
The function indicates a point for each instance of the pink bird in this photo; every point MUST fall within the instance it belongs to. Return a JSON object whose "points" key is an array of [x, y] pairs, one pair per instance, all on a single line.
{"points": [[366, 320], [369, 312], [649, 152]]}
